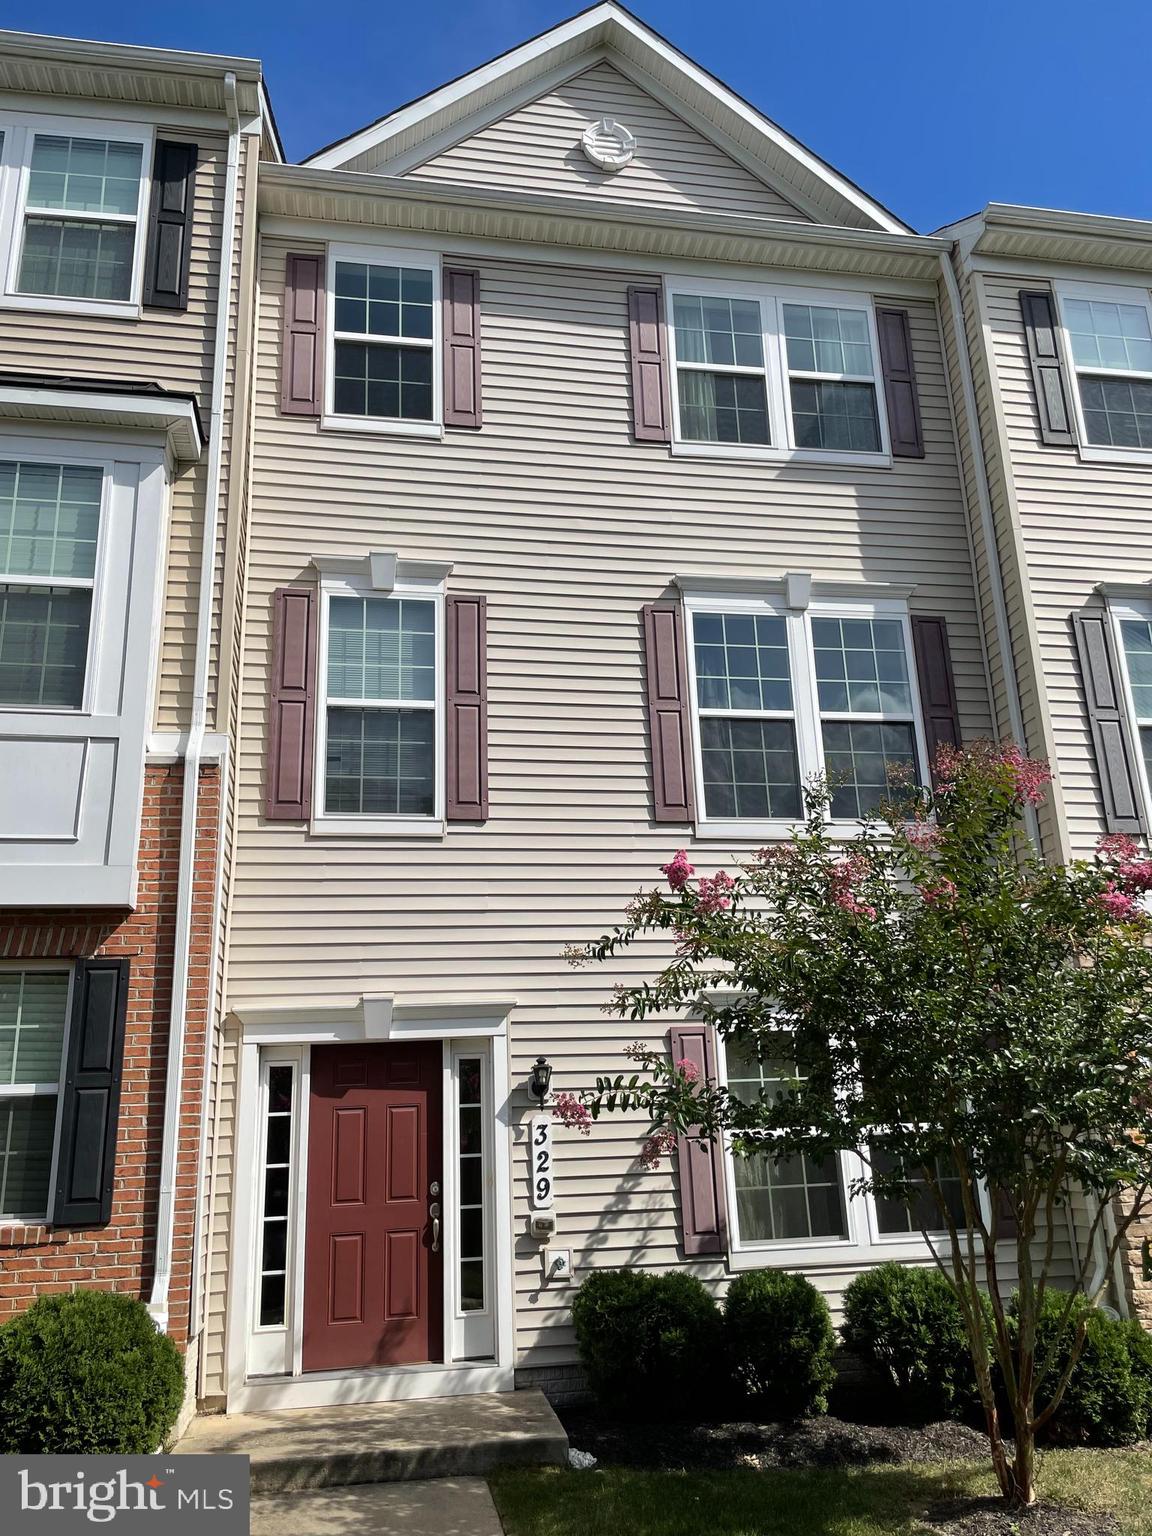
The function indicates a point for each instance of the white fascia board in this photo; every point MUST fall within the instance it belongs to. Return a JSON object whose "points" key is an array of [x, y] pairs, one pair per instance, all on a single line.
{"points": [[606, 25], [175, 417], [85, 51]]}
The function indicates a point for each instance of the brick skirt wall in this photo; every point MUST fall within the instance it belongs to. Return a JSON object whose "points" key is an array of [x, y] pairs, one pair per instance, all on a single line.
{"points": [[1135, 1257], [40, 1260]]}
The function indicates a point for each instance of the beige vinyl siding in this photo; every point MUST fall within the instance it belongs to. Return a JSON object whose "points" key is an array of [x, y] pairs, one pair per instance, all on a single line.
{"points": [[1080, 524], [537, 148], [568, 527], [170, 348]]}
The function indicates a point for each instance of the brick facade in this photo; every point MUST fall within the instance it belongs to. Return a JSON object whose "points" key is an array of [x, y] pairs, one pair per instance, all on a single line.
{"points": [[37, 1260], [1134, 1258]]}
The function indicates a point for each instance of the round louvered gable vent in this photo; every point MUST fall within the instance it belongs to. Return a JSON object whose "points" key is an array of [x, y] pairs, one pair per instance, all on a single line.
{"points": [[608, 144]]}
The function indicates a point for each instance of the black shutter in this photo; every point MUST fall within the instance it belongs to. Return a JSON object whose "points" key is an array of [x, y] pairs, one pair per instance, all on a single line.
{"points": [[90, 1098], [170, 226], [937, 686], [1039, 312], [904, 428], [1116, 764]]}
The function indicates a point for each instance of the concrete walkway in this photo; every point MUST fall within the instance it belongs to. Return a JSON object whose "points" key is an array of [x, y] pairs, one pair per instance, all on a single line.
{"points": [[449, 1506]]}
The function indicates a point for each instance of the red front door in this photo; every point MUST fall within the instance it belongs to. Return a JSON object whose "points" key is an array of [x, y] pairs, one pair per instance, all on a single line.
{"points": [[373, 1286]]}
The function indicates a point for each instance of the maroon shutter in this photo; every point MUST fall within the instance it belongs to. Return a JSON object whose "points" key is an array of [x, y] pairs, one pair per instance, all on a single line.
{"points": [[668, 711], [461, 348], [703, 1207], [301, 362], [1004, 1223], [292, 705], [937, 686], [467, 734], [651, 410], [904, 428]]}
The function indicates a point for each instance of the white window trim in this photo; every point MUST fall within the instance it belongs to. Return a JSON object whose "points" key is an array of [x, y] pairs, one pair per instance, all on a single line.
{"points": [[382, 255], [1118, 611], [1108, 293], [326, 823], [864, 1244], [805, 698], [783, 448], [19, 129], [96, 584], [42, 1090]]}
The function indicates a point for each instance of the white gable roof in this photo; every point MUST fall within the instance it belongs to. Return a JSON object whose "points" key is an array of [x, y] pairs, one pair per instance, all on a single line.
{"points": [[412, 134]]}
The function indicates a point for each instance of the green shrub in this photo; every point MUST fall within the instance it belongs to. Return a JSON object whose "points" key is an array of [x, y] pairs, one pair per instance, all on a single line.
{"points": [[650, 1343], [908, 1324], [780, 1342], [87, 1372], [1109, 1397]]}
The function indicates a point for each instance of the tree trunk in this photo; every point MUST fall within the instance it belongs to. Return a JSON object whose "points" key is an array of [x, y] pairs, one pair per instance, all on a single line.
{"points": [[1023, 1492]]}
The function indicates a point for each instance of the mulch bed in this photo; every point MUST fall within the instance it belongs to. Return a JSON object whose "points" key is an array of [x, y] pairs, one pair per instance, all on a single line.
{"points": [[986, 1517], [817, 1442]]}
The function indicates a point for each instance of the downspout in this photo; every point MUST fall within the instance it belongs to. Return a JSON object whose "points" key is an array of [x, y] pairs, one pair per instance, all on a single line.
{"points": [[158, 1305], [987, 525]]}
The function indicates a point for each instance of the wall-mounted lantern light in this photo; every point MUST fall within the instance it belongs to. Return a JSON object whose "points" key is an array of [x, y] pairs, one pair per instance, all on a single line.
{"points": [[539, 1078]]}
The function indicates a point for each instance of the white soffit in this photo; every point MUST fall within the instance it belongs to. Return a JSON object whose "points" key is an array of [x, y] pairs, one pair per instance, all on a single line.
{"points": [[173, 415], [486, 94]]}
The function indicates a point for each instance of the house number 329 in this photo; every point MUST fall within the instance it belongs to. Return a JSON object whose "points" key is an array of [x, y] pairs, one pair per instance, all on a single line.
{"points": [[540, 1150]]}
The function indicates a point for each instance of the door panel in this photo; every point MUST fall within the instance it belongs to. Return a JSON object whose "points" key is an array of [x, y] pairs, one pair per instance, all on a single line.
{"points": [[373, 1288]]}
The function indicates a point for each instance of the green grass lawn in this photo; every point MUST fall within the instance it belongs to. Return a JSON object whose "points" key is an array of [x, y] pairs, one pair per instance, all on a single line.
{"points": [[867, 1501]]}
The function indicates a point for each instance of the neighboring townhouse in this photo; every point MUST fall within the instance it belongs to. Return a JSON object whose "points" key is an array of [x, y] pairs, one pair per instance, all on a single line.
{"points": [[1057, 372], [126, 251], [603, 487]]}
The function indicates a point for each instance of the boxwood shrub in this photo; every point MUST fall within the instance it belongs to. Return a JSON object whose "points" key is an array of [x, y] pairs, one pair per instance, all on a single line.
{"points": [[907, 1324], [87, 1372], [780, 1343], [1109, 1397], [651, 1343]]}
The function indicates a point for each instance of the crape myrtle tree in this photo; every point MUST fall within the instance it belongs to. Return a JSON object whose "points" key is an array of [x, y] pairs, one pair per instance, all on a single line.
{"points": [[951, 1007]]}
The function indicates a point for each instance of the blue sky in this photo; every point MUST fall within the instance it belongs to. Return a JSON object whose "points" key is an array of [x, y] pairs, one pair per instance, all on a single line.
{"points": [[932, 108]]}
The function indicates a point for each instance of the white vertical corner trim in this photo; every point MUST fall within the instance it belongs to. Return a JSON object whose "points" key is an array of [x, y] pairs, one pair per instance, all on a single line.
{"points": [[987, 524], [158, 1304]]}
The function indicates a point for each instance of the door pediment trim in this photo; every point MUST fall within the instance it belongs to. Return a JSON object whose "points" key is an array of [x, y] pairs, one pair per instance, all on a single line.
{"points": [[374, 1016]]}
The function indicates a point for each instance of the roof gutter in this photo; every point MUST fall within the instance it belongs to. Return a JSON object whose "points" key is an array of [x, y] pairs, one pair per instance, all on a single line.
{"points": [[159, 1303]]}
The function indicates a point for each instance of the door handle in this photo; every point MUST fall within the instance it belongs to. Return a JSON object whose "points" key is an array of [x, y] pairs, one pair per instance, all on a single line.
{"points": [[434, 1212]]}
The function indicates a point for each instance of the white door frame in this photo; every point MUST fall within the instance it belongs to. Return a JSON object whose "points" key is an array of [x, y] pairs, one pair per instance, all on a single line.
{"points": [[477, 1028]]}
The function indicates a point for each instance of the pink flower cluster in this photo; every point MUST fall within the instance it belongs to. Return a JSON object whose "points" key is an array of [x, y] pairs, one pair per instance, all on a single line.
{"points": [[940, 892], [845, 876], [679, 871], [688, 1069], [569, 1110], [710, 893], [924, 836], [658, 1145], [1130, 875], [1028, 775]]}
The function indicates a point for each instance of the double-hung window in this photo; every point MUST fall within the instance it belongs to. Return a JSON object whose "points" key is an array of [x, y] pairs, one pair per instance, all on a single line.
{"points": [[384, 340], [781, 697], [49, 537], [803, 1203], [33, 1018], [71, 218], [1135, 625], [775, 373], [1109, 336], [380, 741]]}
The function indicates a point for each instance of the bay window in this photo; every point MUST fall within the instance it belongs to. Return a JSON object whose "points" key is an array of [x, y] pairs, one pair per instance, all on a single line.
{"points": [[781, 697], [49, 533], [775, 373]]}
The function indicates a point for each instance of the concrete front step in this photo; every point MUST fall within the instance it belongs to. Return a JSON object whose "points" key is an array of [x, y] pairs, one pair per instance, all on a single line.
{"points": [[385, 1442]]}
